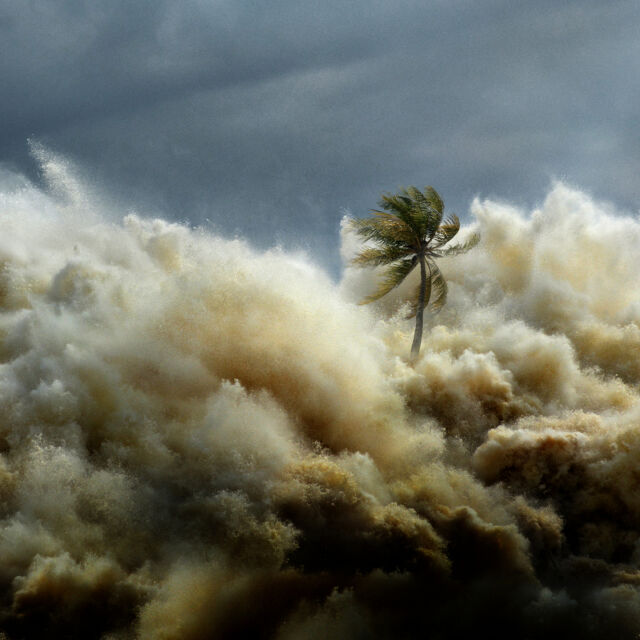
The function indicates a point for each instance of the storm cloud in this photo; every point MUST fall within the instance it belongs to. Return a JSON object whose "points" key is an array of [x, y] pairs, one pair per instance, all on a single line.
{"points": [[267, 120]]}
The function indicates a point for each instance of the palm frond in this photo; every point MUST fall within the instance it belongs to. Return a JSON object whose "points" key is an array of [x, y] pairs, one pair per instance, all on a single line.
{"points": [[446, 231], [375, 257], [421, 212], [426, 218], [401, 206], [439, 286], [433, 208], [394, 275], [434, 200], [411, 237], [457, 249], [395, 202], [383, 230]]}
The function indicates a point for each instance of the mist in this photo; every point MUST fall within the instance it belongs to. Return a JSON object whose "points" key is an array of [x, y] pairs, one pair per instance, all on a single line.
{"points": [[203, 440]]}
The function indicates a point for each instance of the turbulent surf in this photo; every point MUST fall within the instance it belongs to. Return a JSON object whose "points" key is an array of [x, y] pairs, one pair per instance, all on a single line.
{"points": [[200, 440]]}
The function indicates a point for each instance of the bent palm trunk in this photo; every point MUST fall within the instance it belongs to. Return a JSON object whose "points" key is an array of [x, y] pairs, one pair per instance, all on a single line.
{"points": [[417, 336]]}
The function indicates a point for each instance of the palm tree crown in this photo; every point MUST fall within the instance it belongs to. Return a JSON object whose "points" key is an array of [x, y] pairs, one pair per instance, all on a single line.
{"points": [[409, 231]]}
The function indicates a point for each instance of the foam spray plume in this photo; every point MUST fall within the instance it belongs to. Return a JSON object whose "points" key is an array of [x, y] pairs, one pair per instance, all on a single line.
{"points": [[198, 440]]}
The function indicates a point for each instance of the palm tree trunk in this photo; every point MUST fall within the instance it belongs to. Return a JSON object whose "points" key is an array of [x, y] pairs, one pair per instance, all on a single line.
{"points": [[417, 336]]}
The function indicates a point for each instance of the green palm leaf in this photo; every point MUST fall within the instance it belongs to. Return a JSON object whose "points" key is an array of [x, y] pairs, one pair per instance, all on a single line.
{"points": [[457, 249], [401, 207], [394, 276], [446, 231], [434, 199], [439, 286], [426, 217], [373, 257], [383, 231]]}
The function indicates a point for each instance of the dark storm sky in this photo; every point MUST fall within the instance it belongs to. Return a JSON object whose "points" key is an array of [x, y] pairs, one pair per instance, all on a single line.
{"points": [[270, 118]]}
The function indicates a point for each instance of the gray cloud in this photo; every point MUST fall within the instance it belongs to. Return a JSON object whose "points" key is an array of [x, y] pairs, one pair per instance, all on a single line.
{"points": [[269, 119]]}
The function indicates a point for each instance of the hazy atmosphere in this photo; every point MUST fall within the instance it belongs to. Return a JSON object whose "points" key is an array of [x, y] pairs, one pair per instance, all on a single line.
{"points": [[269, 119], [203, 436]]}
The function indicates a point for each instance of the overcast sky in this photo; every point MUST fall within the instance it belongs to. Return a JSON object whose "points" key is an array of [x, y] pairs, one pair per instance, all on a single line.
{"points": [[270, 118]]}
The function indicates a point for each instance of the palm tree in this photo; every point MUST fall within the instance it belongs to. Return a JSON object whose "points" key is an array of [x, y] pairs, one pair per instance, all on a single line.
{"points": [[410, 231]]}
